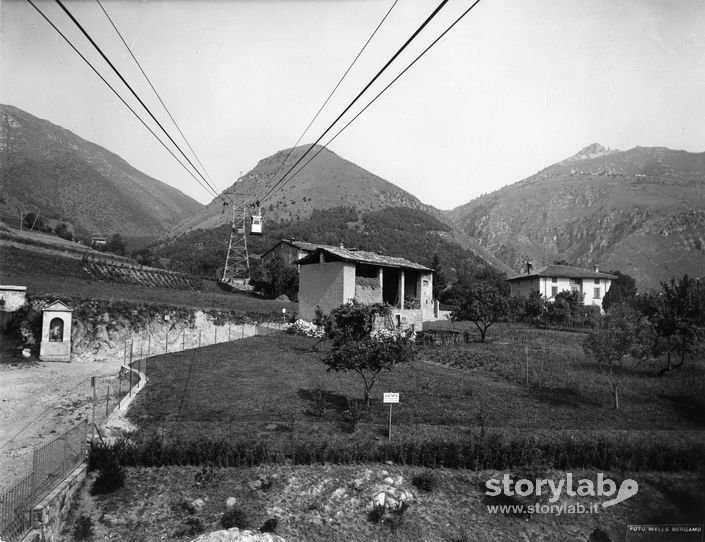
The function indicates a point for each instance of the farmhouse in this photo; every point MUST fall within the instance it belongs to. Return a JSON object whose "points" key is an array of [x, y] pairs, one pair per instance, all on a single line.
{"points": [[290, 250], [550, 280], [331, 276]]}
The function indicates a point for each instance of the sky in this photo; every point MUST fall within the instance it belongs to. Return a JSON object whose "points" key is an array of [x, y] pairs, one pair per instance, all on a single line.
{"points": [[516, 86]]}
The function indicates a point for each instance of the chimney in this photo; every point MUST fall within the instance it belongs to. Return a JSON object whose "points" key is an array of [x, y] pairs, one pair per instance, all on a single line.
{"points": [[341, 245], [596, 268], [528, 268]]}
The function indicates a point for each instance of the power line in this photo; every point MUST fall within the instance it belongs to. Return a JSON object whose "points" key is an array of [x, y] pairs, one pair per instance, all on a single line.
{"points": [[383, 90], [335, 88], [379, 73], [117, 94], [154, 90], [117, 72]]}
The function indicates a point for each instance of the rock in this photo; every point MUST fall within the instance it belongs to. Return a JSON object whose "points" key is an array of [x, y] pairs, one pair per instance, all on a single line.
{"points": [[255, 485], [230, 502], [198, 505], [389, 481], [338, 493], [236, 535], [271, 426]]}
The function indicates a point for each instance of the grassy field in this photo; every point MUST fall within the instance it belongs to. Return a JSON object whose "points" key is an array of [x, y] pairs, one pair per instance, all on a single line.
{"points": [[50, 274], [265, 389], [261, 386]]}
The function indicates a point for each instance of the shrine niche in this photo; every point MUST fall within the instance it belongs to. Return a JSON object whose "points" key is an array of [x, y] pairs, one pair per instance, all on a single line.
{"points": [[56, 333]]}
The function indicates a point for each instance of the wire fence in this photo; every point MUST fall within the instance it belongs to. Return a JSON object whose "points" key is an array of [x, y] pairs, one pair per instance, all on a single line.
{"points": [[50, 465]]}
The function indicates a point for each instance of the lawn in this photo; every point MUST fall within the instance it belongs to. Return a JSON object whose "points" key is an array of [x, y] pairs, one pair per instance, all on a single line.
{"points": [[269, 386]]}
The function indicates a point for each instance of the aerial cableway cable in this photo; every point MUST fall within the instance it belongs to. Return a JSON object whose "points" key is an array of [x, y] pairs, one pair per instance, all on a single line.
{"points": [[340, 81], [382, 91], [67, 40], [149, 112], [368, 85], [149, 81]]}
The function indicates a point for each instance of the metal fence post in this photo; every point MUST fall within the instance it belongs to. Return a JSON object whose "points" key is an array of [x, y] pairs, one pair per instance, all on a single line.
{"points": [[107, 401], [199, 338]]}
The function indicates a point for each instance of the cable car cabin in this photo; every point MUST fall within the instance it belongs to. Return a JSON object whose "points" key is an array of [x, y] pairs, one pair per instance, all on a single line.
{"points": [[256, 227]]}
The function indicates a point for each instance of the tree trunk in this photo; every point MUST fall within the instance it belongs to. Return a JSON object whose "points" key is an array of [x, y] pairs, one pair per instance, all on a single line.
{"points": [[616, 396]]}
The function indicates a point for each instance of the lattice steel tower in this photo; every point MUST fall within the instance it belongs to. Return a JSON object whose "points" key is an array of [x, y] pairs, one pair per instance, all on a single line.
{"points": [[237, 262]]}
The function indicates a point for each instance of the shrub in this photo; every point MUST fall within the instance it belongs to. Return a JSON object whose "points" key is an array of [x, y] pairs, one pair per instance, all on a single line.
{"points": [[110, 479], [269, 526], [426, 481], [83, 528], [234, 517]]}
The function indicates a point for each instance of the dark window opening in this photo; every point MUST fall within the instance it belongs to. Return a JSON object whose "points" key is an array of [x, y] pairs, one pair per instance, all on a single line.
{"points": [[56, 330]]}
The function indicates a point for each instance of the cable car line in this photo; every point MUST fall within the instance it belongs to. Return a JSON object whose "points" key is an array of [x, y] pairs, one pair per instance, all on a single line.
{"points": [[155, 91], [379, 73], [116, 93], [380, 93], [283, 164], [117, 72]]}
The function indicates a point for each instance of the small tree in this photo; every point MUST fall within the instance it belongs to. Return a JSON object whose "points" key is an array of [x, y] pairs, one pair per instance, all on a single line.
{"points": [[282, 278], [483, 304], [622, 335], [357, 347], [116, 245], [680, 318], [439, 277]]}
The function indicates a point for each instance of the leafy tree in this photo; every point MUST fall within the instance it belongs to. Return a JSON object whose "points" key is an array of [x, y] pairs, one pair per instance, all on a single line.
{"points": [[622, 336], [622, 289], [62, 230], [483, 304], [439, 277], [564, 306], [33, 221], [534, 307], [359, 348], [281, 278], [680, 320], [116, 245]]}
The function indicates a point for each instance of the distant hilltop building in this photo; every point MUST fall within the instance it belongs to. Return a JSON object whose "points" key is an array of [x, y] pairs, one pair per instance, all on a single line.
{"points": [[550, 280], [98, 241]]}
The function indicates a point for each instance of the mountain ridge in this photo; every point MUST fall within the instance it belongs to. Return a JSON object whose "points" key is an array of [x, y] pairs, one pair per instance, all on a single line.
{"points": [[46, 166], [640, 211]]}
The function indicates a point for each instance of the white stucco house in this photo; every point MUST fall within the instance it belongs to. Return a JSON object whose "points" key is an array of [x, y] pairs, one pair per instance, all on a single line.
{"points": [[331, 276], [550, 280]]}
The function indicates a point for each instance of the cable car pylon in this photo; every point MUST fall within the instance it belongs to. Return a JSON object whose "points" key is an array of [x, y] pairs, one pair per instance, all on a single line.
{"points": [[236, 273]]}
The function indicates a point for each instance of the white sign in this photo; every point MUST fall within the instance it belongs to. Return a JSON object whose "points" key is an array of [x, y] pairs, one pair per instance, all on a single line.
{"points": [[391, 397]]}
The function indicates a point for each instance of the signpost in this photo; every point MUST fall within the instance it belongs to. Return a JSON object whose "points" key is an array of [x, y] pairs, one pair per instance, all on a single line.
{"points": [[390, 398]]}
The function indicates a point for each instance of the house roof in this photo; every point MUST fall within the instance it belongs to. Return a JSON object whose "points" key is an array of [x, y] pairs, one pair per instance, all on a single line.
{"points": [[301, 245], [9, 287], [566, 271], [361, 256]]}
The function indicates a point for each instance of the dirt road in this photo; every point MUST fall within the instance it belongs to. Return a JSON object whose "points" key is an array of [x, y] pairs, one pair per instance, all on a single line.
{"points": [[39, 400]]}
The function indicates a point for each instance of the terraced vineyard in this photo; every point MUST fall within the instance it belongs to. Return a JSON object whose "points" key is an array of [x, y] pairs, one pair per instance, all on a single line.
{"points": [[139, 275]]}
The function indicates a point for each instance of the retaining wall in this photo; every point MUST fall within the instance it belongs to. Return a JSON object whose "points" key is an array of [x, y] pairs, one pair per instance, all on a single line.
{"points": [[49, 514]]}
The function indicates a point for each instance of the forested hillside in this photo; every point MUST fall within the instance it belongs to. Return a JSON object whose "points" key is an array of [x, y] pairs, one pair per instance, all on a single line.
{"points": [[395, 231]]}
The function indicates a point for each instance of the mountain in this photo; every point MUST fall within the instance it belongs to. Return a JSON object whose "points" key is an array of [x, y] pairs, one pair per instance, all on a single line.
{"points": [[48, 168], [640, 211], [332, 200], [328, 181]]}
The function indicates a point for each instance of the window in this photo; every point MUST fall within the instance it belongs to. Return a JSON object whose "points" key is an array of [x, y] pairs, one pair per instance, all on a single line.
{"points": [[597, 281], [554, 279], [597, 293], [554, 291]]}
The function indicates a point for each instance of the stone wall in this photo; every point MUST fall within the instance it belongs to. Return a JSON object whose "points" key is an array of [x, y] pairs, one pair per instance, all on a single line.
{"points": [[48, 516]]}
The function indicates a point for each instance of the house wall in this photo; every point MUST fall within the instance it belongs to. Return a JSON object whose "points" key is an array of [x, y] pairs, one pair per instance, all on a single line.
{"points": [[288, 253], [546, 286], [13, 297], [326, 285]]}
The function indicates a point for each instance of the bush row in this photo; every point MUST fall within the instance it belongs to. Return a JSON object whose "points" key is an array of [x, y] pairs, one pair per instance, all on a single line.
{"points": [[479, 452]]}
